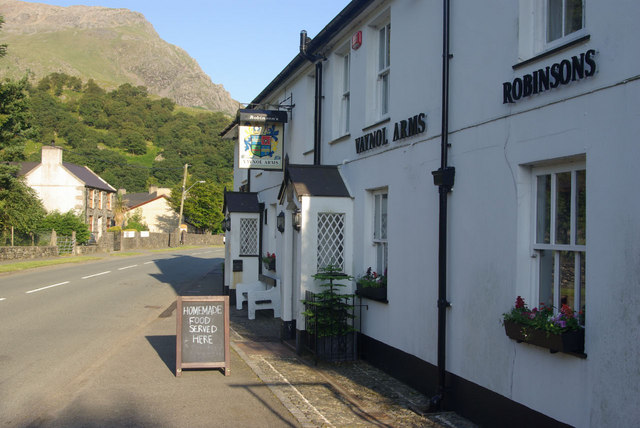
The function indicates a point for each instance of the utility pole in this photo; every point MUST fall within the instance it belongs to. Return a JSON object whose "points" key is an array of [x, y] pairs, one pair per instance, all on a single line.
{"points": [[184, 184]]}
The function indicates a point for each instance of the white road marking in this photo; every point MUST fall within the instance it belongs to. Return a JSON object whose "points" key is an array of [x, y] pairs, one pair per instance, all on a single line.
{"points": [[96, 274], [2, 298], [127, 267], [48, 286], [146, 263]]}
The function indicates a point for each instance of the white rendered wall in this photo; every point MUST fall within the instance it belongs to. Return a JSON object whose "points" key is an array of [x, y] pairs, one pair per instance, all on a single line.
{"points": [[57, 188], [493, 146]]}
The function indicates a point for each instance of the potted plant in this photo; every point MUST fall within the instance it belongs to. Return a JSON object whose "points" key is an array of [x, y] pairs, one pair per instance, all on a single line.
{"points": [[372, 285], [562, 332], [269, 261], [329, 317]]}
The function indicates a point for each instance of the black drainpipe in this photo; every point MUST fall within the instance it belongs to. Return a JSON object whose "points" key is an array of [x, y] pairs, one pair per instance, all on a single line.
{"points": [[443, 178], [317, 117]]}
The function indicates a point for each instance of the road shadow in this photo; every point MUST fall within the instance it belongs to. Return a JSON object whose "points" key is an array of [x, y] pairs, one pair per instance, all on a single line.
{"points": [[165, 347], [184, 273]]}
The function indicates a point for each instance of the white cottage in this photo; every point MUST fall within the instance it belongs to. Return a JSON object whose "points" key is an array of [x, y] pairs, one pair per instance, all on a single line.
{"points": [[64, 186], [474, 152]]}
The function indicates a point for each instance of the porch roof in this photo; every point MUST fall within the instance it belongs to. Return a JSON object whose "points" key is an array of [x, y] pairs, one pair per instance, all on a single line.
{"points": [[314, 180], [241, 202]]}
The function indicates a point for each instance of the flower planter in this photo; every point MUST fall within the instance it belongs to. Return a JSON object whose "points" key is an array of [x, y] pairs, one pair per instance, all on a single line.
{"points": [[271, 265], [373, 293], [568, 342]]}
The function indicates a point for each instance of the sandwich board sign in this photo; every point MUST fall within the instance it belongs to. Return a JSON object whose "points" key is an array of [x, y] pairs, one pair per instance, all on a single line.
{"points": [[202, 333]]}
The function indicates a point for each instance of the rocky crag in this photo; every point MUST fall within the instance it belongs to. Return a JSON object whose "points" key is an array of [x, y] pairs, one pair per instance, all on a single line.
{"points": [[111, 46]]}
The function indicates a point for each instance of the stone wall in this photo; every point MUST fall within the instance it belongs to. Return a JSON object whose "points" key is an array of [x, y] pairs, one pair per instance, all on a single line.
{"points": [[166, 240], [23, 253], [108, 243]]}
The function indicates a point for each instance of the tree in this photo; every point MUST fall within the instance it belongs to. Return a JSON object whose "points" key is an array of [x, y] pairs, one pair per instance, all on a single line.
{"points": [[119, 209], [202, 205], [20, 208], [134, 221], [65, 224]]}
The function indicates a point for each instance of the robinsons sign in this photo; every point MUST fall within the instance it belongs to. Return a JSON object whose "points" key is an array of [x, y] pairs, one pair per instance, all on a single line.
{"points": [[550, 77]]}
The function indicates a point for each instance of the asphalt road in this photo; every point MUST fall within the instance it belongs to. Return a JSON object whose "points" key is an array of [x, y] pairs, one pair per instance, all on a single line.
{"points": [[61, 327]]}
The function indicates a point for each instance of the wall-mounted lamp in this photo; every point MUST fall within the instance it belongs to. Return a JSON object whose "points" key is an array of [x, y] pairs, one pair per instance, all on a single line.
{"points": [[223, 223], [228, 225], [297, 219], [280, 222]]}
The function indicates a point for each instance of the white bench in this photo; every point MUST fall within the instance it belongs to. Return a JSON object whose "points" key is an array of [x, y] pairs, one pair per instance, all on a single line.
{"points": [[243, 288], [264, 299]]}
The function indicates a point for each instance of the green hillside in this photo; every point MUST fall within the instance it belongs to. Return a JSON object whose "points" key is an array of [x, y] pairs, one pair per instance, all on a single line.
{"points": [[130, 139]]}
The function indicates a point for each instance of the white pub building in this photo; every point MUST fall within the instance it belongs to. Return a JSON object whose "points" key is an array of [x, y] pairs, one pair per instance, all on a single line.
{"points": [[472, 152]]}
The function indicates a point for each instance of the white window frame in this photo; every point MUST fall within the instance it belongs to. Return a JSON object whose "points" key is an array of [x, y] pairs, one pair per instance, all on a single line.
{"points": [[345, 101], [379, 237], [573, 247], [383, 62], [533, 22], [564, 35]]}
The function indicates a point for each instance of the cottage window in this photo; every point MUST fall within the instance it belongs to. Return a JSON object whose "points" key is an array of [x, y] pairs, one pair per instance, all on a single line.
{"points": [[91, 203], [331, 240], [380, 230], [249, 236], [559, 241]]}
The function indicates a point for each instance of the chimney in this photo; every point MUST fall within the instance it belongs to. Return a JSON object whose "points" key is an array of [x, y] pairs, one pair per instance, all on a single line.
{"points": [[153, 189], [51, 155]]}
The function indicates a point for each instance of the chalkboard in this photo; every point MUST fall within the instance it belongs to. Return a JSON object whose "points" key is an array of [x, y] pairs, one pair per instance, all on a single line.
{"points": [[202, 332]]}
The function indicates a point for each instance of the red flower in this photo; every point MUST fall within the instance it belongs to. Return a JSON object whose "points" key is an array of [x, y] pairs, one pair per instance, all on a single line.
{"points": [[566, 311], [519, 303]]}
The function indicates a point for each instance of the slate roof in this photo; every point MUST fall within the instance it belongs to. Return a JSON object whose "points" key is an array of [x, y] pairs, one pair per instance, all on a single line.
{"points": [[315, 180], [90, 178], [83, 173], [134, 200], [241, 202]]}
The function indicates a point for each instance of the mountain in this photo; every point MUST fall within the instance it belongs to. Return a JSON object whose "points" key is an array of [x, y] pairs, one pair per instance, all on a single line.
{"points": [[111, 46]]}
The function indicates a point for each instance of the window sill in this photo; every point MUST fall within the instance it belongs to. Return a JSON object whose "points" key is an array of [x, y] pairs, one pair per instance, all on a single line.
{"points": [[340, 139], [378, 123], [551, 51]]}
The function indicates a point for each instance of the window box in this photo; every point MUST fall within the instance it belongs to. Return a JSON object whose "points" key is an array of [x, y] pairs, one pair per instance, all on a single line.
{"points": [[373, 293], [269, 261], [571, 342], [270, 265]]}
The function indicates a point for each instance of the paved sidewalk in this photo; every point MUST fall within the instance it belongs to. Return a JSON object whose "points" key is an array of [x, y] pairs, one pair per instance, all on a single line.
{"points": [[329, 394]]}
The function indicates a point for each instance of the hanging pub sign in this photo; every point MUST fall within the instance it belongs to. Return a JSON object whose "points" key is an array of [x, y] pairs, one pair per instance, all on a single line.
{"points": [[260, 138]]}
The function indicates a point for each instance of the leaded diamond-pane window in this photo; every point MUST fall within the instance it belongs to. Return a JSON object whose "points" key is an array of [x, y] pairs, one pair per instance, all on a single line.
{"points": [[249, 236], [331, 240]]}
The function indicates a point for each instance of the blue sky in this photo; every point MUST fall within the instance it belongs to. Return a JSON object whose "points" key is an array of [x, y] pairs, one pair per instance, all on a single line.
{"points": [[241, 44]]}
